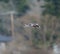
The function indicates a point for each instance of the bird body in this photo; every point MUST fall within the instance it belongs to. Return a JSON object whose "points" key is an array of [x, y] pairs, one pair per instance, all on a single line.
{"points": [[32, 25]]}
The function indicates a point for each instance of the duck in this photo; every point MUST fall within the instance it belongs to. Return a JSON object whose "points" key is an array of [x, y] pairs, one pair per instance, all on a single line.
{"points": [[35, 25]]}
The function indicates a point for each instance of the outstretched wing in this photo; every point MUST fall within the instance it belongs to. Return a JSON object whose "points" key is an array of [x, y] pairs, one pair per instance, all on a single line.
{"points": [[26, 25]]}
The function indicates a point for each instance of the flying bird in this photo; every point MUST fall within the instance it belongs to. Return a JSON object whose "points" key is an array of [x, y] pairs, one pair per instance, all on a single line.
{"points": [[35, 25]]}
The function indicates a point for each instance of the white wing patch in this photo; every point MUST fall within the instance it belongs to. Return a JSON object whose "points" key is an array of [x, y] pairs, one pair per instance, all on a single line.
{"points": [[26, 25]]}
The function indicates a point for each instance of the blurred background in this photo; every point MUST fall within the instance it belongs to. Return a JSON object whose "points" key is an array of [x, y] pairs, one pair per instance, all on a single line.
{"points": [[17, 39]]}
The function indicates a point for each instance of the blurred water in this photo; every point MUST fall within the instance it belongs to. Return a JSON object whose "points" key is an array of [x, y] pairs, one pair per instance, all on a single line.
{"points": [[4, 38], [56, 49]]}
